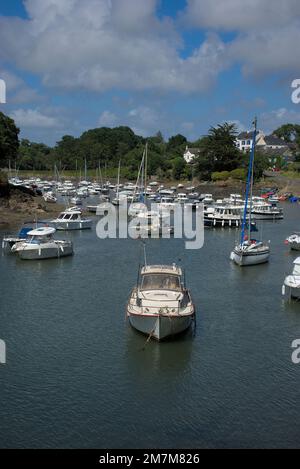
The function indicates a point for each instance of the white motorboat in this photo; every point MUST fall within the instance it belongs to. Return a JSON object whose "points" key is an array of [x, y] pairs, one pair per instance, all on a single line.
{"points": [[207, 199], [182, 198], [40, 244], [291, 283], [76, 200], [223, 215], [294, 241], [71, 220], [267, 212], [152, 223], [250, 251], [160, 305], [49, 197]]}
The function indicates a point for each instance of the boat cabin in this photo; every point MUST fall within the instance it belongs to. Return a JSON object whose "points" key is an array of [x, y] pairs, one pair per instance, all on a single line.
{"points": [[70, 216], [161, 278], [40, 235]]}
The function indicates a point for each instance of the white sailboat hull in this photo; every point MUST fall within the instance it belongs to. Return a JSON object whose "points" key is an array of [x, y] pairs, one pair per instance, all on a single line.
{"points": [[242, 259]]}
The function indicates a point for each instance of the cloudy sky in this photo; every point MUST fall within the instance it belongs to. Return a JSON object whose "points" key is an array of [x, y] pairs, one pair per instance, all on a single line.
{"points": [[178, 66]]}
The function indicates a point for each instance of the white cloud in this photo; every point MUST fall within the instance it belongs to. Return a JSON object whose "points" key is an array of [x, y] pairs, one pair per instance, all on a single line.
{"points": [[267, 32], [271, 120], [33, 118], [104, 44], [17, 90], [241, 15], [107, 119]]}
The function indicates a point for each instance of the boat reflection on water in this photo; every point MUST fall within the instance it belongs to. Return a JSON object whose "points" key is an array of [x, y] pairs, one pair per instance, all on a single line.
{"points": [[169, 358]]}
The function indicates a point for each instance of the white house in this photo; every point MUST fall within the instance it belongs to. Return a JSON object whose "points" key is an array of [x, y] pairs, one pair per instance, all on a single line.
{"points": [[190, 154], [244, 140]]}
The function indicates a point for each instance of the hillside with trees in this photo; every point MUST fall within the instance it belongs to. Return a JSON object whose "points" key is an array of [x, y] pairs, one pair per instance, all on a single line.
{"points": [[219, 158]]}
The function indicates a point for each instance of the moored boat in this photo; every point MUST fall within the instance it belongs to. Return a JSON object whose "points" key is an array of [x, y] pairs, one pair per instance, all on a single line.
{"points": [[160, 305], [250, 251], [294, 241], [40, 244], [71, 220], [291, 284]]}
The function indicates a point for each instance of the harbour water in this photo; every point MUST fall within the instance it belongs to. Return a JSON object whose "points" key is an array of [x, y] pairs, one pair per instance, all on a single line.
{"points": [[77, 375]]}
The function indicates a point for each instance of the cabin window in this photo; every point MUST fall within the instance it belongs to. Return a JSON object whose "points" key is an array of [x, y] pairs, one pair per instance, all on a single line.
{"points": [[160, 281]]}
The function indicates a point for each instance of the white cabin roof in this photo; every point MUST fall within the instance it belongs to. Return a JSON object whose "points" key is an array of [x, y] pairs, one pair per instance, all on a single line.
{"points": [[43, 231], [297, 261], [162, 269]]}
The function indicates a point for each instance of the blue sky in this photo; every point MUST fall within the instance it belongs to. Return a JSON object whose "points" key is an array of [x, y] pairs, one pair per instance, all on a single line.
{"points": [[175, 66]]}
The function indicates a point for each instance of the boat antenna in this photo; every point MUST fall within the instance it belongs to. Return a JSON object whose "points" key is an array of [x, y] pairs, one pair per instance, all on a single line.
{"points": [[249, 180]]}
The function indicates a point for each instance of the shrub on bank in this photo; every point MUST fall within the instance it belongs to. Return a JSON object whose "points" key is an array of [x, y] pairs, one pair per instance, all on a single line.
{"points": [[220, 175], [239, 174]]}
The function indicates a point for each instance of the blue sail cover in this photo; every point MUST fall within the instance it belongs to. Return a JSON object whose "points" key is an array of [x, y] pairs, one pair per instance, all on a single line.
{"points": [[24, 231]]}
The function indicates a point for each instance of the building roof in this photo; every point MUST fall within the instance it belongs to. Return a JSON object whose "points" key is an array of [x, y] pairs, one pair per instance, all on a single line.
{"points": [[192, 150], [273, 140], [245, 136]]}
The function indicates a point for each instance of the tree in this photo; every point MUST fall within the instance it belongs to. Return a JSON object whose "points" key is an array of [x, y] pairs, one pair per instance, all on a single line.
{"points": [[218, 150], [9, 140], [288, 132]]}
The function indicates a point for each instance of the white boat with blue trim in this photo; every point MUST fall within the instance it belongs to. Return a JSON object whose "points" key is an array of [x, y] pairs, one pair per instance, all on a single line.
{"points": [[40, 244]]}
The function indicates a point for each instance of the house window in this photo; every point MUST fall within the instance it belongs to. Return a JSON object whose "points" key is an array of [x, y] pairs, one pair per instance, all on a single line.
{"points": [[243, 142], [248, 142]]}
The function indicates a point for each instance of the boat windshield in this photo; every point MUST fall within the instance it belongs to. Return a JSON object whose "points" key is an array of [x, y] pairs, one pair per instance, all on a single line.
{"points": [[296, 270], [160, 282]]}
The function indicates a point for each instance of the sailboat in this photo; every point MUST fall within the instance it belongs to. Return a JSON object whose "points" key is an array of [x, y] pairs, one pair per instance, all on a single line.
{"points": [[250, 251], [139, 207], [117, 200]]}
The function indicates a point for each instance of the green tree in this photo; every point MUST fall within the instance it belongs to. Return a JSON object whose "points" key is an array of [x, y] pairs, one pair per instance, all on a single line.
{"points": [[9, 140], [218, 150]]}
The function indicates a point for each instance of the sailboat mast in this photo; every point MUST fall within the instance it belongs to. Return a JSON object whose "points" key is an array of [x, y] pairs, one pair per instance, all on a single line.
{"points": [[249, 183], [118, 183], [146, 163]]}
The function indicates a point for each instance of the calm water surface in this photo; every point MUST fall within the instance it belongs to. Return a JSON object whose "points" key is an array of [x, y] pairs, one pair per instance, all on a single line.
{"points": [[77, 375]]}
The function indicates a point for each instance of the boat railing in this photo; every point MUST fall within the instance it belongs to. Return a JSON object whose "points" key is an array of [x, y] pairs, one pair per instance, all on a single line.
{"points": [[185, 302]]}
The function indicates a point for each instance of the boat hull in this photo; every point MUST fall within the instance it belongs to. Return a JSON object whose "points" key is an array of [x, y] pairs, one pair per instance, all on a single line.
{"points": [[158, 326], [46, 252], [292, 284], [267, 216], [294, 246], [76, 225], [243, 259]]}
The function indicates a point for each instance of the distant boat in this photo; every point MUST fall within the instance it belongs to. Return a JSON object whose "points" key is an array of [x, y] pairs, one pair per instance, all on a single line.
{"points": [[49, 197], [160, 305], [292, 282], [267, 212], [71, 220], [294, 241], [40, 244], [250, 251]]}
